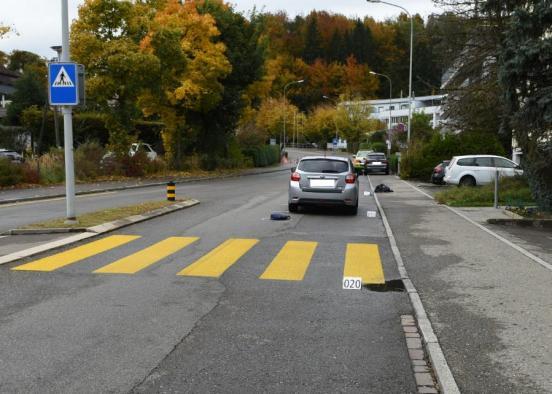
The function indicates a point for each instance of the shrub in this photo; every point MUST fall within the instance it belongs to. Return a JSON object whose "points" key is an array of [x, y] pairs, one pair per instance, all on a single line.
{"points": [[513, 191], [10, 174], [87, 160], [379, 147], [52, 166], [420, 159]]}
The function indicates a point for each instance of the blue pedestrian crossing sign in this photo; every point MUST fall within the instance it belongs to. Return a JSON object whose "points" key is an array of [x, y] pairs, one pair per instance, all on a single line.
{"points": [[63, 84]]}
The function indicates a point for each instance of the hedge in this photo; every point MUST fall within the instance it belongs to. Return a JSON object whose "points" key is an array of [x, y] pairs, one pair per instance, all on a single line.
{"points": [[263, 156]]}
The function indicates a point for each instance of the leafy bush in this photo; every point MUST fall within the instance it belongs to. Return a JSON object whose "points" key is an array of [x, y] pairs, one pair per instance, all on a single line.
{"points": [[263, 156], [10, 174], [512, 191], [420, 159], [87, 160], [379, 147]]}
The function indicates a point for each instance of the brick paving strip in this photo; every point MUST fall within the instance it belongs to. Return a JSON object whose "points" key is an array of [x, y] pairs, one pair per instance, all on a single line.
{"points": [[425, 381]]}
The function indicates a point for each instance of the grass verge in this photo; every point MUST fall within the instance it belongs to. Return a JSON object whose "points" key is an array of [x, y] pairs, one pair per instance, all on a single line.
{"points": [[512, 191], [99, 217]]}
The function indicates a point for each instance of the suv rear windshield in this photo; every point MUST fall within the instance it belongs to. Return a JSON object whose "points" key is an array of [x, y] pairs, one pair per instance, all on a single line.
{"points": [[323, 165], [376, 156]]}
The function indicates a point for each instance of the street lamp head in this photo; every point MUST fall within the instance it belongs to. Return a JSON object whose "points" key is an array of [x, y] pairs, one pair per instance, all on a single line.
{"points": [[373, 1], [301, 81], [373, 73]]}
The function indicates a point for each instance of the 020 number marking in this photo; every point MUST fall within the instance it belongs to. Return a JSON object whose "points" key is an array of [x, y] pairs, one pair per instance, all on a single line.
{"points": [[352, 283]]}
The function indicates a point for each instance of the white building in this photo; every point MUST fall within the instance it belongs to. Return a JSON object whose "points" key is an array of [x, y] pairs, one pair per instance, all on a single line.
{"points": [[397, 109]]}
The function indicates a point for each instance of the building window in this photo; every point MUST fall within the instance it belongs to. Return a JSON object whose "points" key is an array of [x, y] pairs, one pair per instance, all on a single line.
{"points": [[380, 109], [404, 106], [392, 107]]}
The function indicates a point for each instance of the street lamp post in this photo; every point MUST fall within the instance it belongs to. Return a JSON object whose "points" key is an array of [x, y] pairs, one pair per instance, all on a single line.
{"points": [[285, 88], [390, 97], [410, 68], [335, 123]]}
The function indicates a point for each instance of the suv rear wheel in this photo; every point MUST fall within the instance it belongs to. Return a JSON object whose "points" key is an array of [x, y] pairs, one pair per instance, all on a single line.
{"points": [[467, 180], [293, 207]]}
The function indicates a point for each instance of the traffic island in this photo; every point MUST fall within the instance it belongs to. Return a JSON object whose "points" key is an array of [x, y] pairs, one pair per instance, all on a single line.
{"points": [[94, 224]]}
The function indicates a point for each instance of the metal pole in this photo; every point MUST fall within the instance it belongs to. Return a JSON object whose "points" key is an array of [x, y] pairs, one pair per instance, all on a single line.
{"points": [[496, 189], [410, 79], [67, 123], [285, 108]]}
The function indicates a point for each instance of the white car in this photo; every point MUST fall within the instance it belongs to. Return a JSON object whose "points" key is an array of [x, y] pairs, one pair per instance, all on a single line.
{"points": [[142, 147], [479, 169]]}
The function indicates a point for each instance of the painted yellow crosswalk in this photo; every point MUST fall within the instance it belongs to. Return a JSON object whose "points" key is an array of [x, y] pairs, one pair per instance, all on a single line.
{"points": [[146, 257], [74, 255], [217, 261], [363, 260], [292, 261]]}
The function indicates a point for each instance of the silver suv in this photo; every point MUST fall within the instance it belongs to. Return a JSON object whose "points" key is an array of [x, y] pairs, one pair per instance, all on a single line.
{"points": [[327, 181]]}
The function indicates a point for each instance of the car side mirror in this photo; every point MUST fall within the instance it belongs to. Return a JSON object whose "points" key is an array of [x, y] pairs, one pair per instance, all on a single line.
{"points": [[293, 169], [354, 156]]}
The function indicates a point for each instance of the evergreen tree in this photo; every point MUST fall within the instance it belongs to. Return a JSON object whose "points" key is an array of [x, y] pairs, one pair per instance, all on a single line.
{"points": [[526, 79], [313, 42]]}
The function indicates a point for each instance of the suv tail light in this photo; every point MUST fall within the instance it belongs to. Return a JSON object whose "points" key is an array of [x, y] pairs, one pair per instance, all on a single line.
{"points": [[350, 178], [295, 176]]}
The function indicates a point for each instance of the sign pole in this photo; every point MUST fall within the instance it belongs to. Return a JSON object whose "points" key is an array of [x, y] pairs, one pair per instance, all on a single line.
{"points": [[67, 123]]}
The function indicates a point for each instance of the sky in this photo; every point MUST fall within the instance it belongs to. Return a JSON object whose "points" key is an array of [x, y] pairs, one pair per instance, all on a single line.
{"points": [[38, 22]]}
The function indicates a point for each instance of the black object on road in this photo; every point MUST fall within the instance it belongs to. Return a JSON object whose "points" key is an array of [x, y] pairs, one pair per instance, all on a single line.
{"points": [[382, 188], [279, 216]]}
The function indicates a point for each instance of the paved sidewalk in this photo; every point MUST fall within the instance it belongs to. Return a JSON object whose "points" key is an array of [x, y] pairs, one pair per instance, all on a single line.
{"points": [[490, 305]]}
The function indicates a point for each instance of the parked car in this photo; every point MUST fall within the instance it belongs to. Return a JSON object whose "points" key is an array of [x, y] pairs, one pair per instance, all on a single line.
{"points": [[134, 148], [142, 147], [479, 169], [325, 181], [11, 155], [359, 160], [438, 173], [376, 162]]}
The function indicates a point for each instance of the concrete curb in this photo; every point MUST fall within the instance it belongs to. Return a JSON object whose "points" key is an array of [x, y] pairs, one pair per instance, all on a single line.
{"points": [[98, 230], [33, 231], [540, 223], [441, 369], [145, 185]]}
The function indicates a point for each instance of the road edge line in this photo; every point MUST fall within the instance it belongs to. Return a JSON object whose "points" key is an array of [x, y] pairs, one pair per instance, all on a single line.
{"points": [[523, 251], [97, 231], [439, 363]]}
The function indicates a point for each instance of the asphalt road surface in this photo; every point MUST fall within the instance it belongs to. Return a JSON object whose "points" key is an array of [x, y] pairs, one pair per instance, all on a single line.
{"points": [[215, 298]]}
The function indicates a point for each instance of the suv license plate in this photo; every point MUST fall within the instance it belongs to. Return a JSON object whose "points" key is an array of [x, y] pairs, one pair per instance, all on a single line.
{"points": [[322, 183]]}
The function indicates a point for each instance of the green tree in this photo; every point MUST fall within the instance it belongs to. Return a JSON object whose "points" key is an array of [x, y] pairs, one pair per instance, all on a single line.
{"points": [[105, 38], [246, 56], [18, 60], [30, 90], [313, 44], [526, 79]]}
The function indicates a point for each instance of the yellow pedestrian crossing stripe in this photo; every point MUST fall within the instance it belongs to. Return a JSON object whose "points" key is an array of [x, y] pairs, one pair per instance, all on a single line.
{"points": [[214, 263], [292, 261], [363, 260], [79, 253], [146, 257], [290, 264]]}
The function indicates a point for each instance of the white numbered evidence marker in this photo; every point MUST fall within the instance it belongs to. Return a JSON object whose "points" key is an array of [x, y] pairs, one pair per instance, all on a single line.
{"points": [[352, 283]]}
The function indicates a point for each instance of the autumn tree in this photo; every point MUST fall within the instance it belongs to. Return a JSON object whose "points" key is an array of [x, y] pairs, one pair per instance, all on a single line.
{"points": [[192, 66]]}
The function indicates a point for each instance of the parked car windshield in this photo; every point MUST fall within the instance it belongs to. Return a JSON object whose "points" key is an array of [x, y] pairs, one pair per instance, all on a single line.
{"points": [[376, 156], [323, 166], [362, 153]]}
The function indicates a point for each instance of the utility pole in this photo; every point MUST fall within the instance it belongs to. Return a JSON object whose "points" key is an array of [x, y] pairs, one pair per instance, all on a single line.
{"points": [[67, 112]]}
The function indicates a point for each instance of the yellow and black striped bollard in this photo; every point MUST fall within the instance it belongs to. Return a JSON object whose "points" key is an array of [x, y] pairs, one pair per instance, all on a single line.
{"points": [[171, 191]]}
